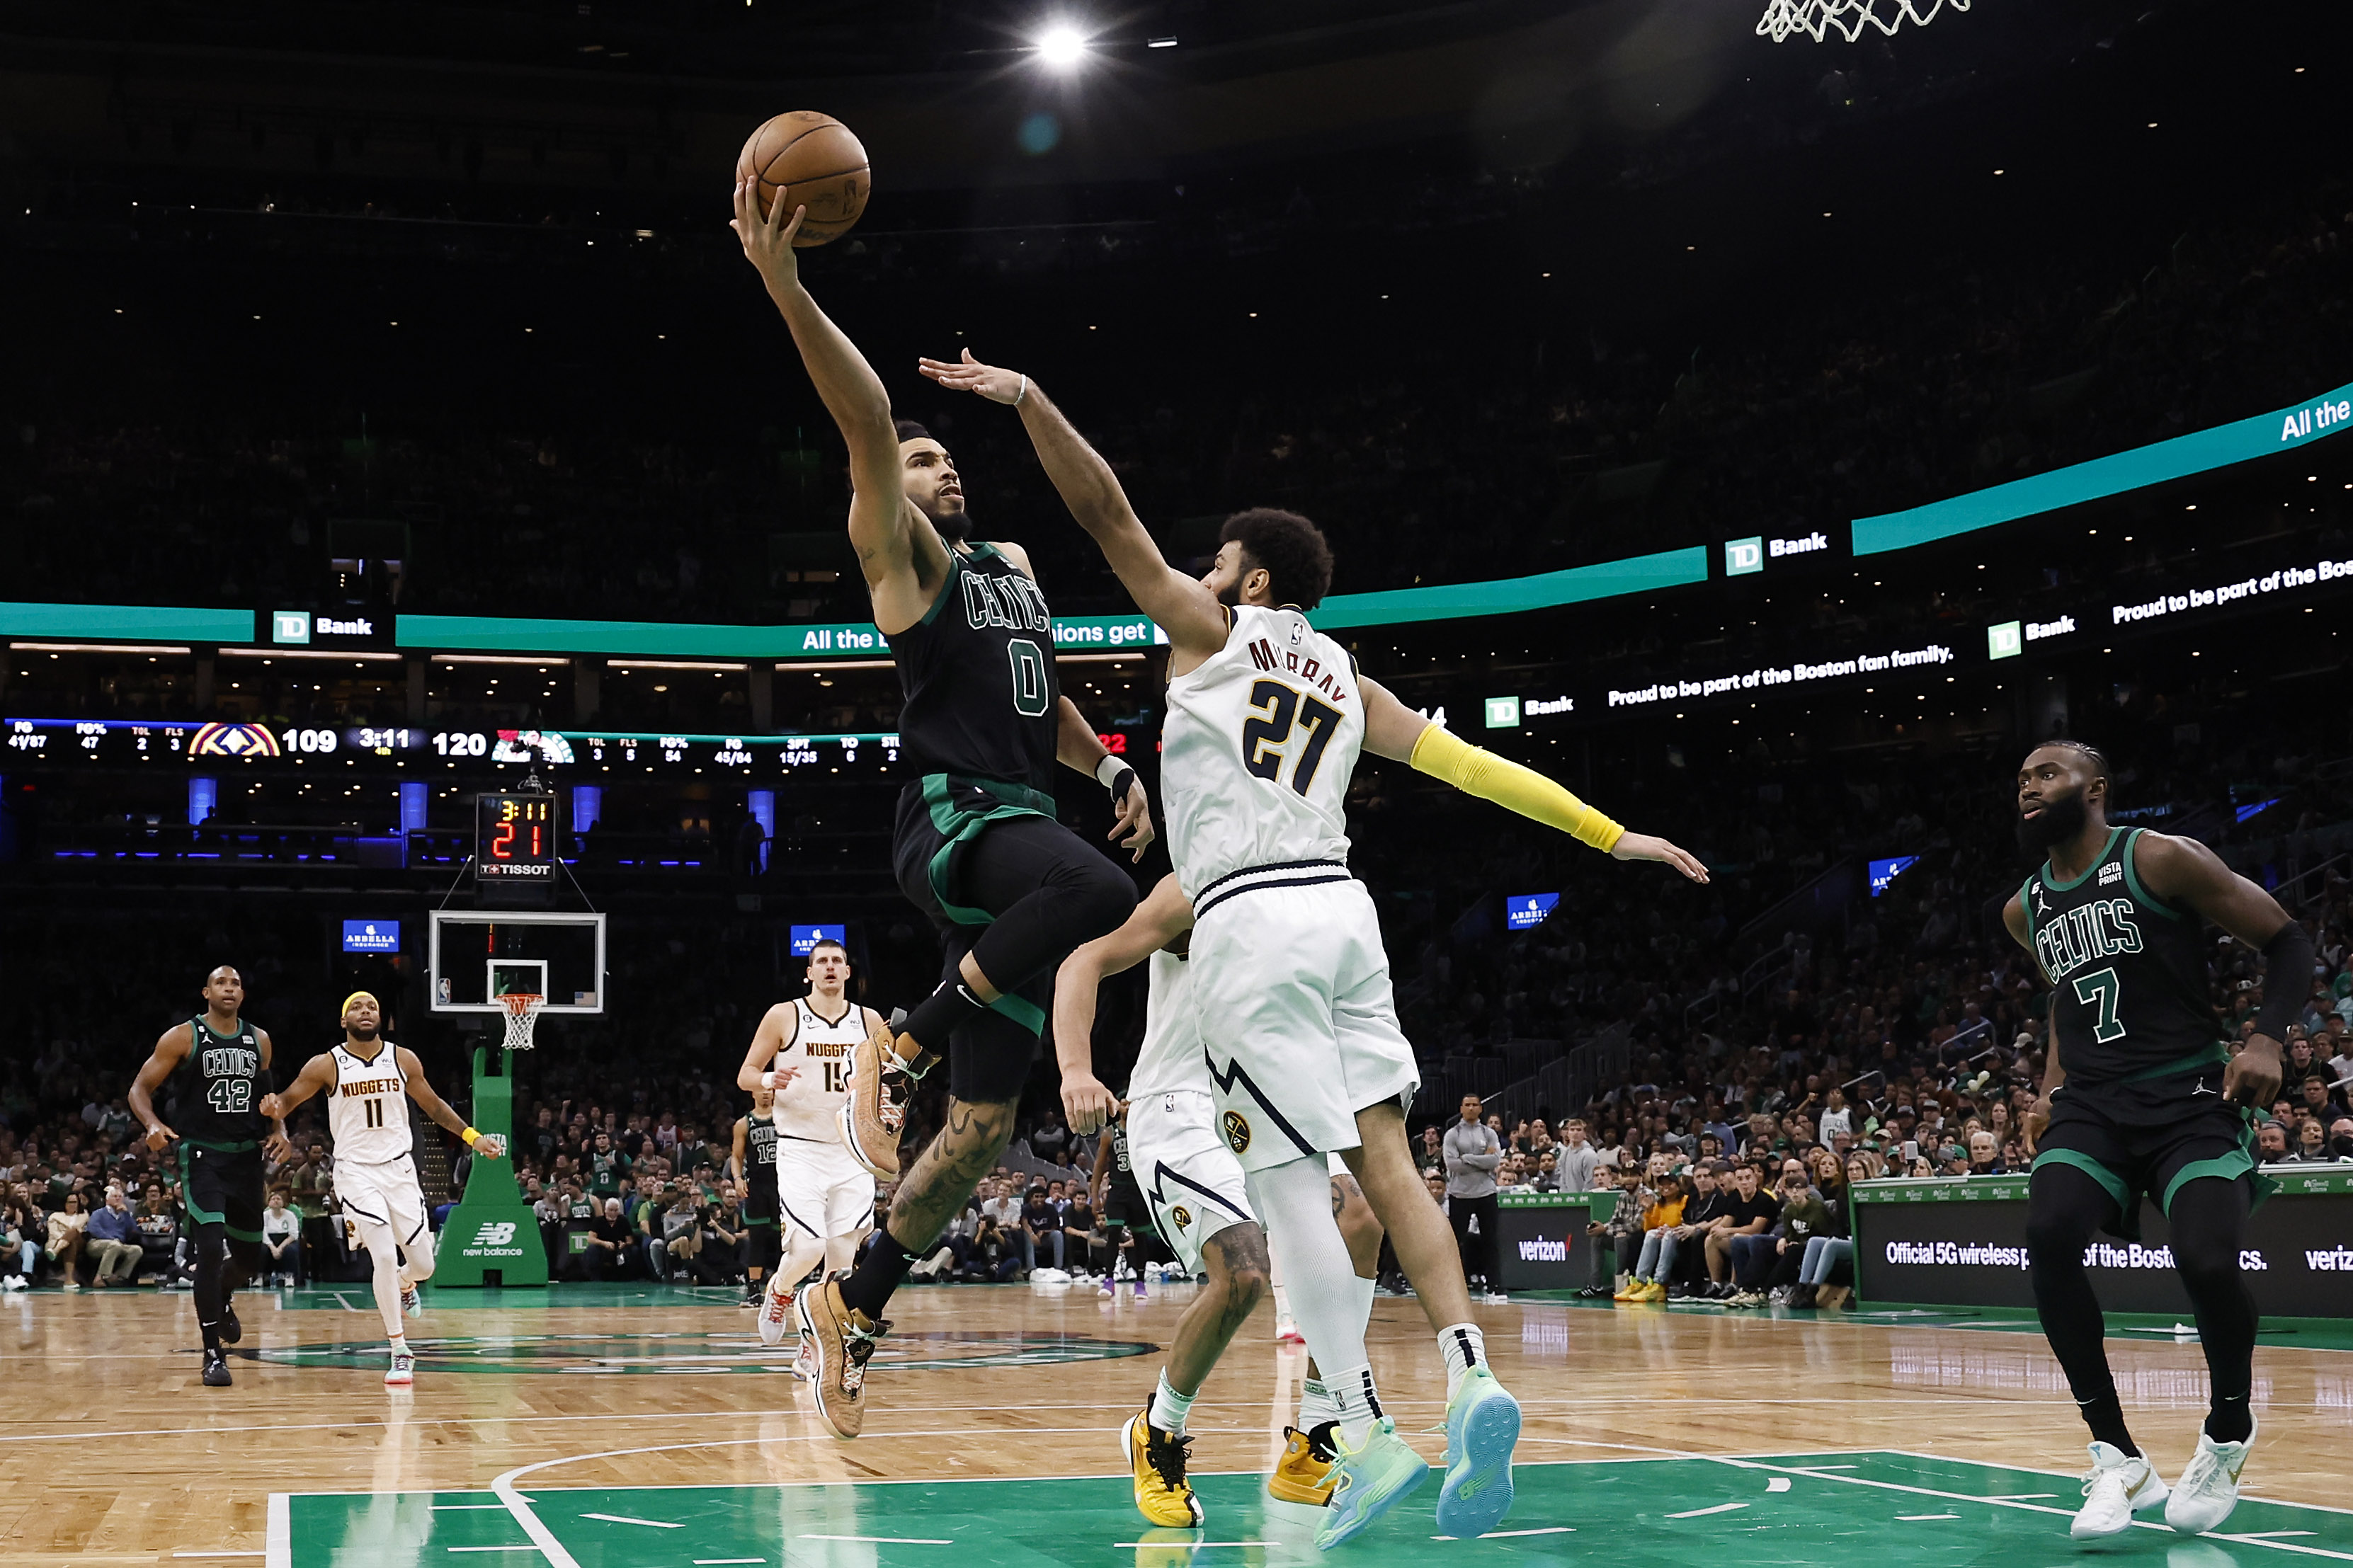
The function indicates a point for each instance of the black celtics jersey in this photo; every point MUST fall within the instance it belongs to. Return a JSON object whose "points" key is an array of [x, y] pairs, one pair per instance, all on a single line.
{"points": [[760, 1153], [977, 675], [216, 1089], [2128, 972]]}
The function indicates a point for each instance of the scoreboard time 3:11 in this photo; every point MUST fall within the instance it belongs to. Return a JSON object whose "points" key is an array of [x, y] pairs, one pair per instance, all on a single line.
{"points": [[125, 740]]}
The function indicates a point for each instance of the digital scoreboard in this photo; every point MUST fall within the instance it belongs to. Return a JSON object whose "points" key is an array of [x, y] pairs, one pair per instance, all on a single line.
{"points": [[514, 839]]}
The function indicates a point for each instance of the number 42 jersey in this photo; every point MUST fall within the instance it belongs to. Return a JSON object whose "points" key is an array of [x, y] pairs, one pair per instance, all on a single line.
{"points": [[1256, 755]]}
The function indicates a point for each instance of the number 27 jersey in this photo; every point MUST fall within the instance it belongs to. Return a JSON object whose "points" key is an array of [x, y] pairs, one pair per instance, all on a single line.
{"points": [[1259, 746]]}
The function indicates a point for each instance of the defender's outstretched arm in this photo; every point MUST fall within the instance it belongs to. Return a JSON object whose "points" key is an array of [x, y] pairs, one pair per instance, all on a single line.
{"points": [[1393, 729]]}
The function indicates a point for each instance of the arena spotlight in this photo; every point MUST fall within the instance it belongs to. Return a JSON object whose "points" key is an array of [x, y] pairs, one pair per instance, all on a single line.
{"points": [[1062, 47]]}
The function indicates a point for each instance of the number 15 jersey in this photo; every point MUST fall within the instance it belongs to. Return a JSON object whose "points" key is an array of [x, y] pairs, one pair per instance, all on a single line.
{"points": [[1257, 752], [804, 1108]]}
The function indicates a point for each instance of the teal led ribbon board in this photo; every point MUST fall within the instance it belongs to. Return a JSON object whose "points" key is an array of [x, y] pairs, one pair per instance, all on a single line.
{"points": [[2196, 453]]}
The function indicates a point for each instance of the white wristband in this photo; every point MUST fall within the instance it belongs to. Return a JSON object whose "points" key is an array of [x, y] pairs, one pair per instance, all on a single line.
{"points": [[769, 1078], [1107, 771], [1023, 393]]}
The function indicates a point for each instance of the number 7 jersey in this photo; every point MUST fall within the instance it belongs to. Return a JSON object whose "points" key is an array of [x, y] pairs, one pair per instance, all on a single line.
{"points": [[1257, 753]]}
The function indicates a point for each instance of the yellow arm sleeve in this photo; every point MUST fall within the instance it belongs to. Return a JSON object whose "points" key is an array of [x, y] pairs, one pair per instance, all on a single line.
{"points": [[1476, 770]]}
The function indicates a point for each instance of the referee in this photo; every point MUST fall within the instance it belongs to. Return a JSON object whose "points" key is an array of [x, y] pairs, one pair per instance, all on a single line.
{"points": [[1473, 1153]]}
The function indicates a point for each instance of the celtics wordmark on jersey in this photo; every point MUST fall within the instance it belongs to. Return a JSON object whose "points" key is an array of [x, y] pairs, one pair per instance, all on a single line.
{"points": [[2127, 970]]}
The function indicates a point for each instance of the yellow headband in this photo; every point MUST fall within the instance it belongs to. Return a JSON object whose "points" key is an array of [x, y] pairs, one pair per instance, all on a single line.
{"points": [[355, 996]]}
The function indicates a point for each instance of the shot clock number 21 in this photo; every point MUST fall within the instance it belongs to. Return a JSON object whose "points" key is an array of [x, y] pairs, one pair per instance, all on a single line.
{"points": [[514, 837]]}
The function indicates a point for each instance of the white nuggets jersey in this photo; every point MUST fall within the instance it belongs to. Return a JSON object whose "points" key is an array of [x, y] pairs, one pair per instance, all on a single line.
{"points": [[1257, 753], [1170, 1058], [806, 1107], [367, 1114]]}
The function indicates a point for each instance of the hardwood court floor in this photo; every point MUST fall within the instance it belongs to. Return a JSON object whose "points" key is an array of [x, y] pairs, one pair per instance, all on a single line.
{"points": [[111, 1451]]}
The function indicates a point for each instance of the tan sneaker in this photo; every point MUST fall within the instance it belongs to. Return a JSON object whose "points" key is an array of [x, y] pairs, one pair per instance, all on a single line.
{"points": [[875, 1111], [841, 1339]]}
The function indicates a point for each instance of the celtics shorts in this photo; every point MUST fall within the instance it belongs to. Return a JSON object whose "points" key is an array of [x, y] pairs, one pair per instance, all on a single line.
{"points": [[222, 1187], [2148, 1137]]}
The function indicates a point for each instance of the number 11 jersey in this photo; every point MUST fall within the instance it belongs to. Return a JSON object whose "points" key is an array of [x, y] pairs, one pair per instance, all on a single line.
{"points": [[1257, 752]]}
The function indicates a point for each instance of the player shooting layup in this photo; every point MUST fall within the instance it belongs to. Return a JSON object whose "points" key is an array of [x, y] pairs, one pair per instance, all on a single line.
{"points": [[369, 1082], [977, 846], [2141, 1096], [1266, 718], [825, 1199], [218, 1102], [1187, 1177]]}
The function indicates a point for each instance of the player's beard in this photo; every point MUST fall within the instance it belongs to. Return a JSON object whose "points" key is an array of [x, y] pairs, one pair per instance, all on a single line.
{"points": [[2061, 818], [359, 1032], [954, 527], [1230, 595]]}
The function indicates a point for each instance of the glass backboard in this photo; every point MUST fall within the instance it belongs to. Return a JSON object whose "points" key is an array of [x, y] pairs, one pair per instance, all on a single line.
{"points": [[476, 956]]}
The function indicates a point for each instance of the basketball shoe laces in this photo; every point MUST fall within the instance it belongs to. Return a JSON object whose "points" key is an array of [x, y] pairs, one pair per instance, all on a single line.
{"points": [[1166, 1455], [857, 1350]]}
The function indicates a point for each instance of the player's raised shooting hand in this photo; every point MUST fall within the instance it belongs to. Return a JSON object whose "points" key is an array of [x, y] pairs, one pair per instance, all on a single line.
{"points": [[2254, 1074], [1087, 1104], [159, 1135], [767, 241], [1134, 830], [968, 374], [1644, 847]]}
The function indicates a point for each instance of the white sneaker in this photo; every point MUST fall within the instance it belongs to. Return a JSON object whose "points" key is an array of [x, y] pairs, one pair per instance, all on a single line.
{"points": [[1286, 1332], [805, 1364], [412, 1305], [403, 1371], [776, 1312], [2118, 1486], [2209, 1488]]}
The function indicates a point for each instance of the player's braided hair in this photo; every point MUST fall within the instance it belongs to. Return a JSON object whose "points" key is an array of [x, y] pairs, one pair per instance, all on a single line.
{"points": [[1289, 548], [2091, 753]]}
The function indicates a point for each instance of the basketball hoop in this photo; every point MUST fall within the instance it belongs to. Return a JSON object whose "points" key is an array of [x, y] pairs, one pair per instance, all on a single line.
{"points": [[522, 1013], [1816, 19]]}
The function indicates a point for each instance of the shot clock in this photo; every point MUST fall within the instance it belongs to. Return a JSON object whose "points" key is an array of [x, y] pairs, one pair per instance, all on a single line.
{"points": [[515, 840]]}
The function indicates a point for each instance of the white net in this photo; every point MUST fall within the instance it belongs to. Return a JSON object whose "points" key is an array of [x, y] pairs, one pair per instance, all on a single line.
{"points": [[522, 1013], [1819, 18]]}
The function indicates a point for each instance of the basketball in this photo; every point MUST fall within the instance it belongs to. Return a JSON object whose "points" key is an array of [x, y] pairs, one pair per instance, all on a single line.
{"points": [[809, 160]]}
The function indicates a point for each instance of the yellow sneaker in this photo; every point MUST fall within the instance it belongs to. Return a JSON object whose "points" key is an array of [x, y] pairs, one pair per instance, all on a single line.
{"points": [[1162, 1494], [1303, 1474], [1654, 1291], [1633, 1290]]}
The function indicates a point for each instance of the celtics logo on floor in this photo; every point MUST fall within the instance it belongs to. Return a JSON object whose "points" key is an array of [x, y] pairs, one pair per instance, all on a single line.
{"points": [[700, 1354]]}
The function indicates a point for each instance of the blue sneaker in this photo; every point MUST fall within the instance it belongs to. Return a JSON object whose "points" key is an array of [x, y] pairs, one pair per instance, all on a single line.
{"points": [[1482, 1425], [1366, 1482]]}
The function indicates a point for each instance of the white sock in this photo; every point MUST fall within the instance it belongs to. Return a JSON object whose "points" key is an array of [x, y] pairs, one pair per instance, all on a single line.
{"points": [[1316, 1405], [1464, 1347], [1282, 1303], [1358, 1401], [1362, 1289], [1169, 1407], [400, 1344]]}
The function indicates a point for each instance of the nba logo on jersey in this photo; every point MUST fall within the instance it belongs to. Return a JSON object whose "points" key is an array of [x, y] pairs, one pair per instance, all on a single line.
{"points": [[1298, 633]]}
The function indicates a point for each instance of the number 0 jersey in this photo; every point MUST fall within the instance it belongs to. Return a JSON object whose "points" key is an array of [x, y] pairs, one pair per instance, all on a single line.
{"points": [[216, 1089], [2128, 972], [367, 1108], [806, 1108], [976, 677], [1256, 755]]}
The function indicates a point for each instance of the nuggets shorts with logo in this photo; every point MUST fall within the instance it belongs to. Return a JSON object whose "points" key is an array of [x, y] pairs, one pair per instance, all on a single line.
{"points": [[1292, 985], [1188, 1177]]}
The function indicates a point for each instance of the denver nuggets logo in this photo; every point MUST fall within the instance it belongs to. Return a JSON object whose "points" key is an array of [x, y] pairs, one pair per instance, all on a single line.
{"points": [[1182, 1216], [1237, 1132]]}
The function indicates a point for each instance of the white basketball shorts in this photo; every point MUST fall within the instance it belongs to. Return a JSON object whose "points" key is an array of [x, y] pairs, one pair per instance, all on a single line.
{"points": [[1188, 1174], [386, 1194], [820, 1190], [1293, 988]]}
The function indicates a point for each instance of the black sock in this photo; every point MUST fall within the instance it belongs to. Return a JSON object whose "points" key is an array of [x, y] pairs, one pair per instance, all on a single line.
{"points": [[2231, 1420], [2104, 1415], [936, 1016], [879, 1271]]}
